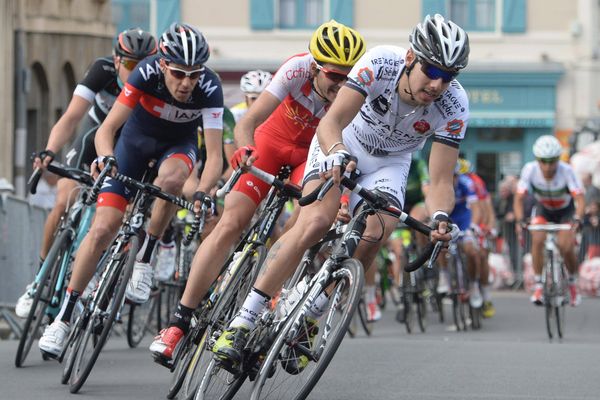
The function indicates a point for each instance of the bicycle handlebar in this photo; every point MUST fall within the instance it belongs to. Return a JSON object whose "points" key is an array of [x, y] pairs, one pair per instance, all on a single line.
{"points": [[60, 170], [207, 203], [381, 203]]}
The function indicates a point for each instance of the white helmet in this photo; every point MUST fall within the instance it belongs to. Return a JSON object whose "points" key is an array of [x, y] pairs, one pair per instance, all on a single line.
{"points": [[547, 146], [255, 81]]}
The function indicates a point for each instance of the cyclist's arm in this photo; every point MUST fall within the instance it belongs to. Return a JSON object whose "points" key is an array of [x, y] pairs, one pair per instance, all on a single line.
{"points": [[256, 115], [579, 206], [213, 139], [64, 128], [490, 213], [105, 137], [342, 112], [441, 170], [518, 207]]}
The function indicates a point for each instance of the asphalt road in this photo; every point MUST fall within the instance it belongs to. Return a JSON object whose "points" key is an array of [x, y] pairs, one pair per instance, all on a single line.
{"points": [[510, 358]]}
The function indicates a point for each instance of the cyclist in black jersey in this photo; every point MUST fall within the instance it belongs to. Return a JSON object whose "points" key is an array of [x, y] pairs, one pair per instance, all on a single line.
{"points": [[92, 100]]}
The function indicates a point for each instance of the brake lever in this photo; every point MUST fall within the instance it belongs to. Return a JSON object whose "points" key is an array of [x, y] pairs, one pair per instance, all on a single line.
{"points": [[454, 233]]}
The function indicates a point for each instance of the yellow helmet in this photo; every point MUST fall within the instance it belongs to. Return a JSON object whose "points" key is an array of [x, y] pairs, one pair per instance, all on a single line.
{"points": [[335, 43]]}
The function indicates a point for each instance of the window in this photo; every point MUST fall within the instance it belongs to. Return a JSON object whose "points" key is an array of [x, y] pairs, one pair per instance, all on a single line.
{"points": [[300, 14], [474, 15]]}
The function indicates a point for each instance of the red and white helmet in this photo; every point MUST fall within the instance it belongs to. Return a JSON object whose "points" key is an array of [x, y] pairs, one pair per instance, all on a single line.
{"points": [[255, 81]]}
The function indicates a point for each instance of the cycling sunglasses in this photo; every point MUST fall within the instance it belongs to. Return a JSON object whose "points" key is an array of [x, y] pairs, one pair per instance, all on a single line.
{"points": [[129, 63], [332, 75], [548, 160], [433, 72], [180, 73]]}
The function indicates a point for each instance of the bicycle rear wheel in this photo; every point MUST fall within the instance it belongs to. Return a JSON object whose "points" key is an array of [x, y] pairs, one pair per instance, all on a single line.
{"points": [[43, 296], [273, 381], [421, 306], [112, 295], [217, 382]]}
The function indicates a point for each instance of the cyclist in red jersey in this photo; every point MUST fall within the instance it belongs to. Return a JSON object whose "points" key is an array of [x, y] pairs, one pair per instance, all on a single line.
{"points": [[277, 130]]}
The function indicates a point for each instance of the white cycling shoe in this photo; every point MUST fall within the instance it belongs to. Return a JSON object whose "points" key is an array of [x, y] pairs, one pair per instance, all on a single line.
{"points": [[24, 302], [53, 340], [140, 284]]}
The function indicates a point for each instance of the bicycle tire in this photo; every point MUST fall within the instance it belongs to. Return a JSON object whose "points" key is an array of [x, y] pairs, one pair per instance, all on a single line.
{"points": [[117, 286], [549, 320], [560, 320], [347, 289], [408, 312], [475, 314], [363, 317], [72, 349], [421, 306], [31, 328], [140, 320], [192, 377], [184, 355], [230, 301]]}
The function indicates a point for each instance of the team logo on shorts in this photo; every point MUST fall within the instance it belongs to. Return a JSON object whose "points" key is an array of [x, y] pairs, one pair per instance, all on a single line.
{"points": [[365, 76], [455, 126], [422, 126]]}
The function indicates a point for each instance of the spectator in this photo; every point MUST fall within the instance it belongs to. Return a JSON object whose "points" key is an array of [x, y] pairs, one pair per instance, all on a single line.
{"points": [[592, 192]]}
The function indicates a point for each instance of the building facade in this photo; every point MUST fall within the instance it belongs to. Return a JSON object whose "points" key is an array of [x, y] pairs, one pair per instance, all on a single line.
{"points": [[534, 65], [50, 43]]}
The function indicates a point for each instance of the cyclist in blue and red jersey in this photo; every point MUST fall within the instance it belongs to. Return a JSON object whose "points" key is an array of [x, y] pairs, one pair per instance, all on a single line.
{"points": [[465, 211], [485, 227], [160, 105]]}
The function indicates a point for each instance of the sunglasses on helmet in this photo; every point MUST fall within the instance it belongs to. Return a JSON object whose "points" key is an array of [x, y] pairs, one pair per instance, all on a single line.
{"points": [[433, 72], [332, 75], [129, 63], [179, 73]]}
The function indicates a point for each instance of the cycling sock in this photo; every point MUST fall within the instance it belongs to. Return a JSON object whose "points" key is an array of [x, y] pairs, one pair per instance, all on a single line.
{"points": [[538, 279], [254, 304], [573, 279], [68, 305], [168, 236], [370, 293], [181, 317], [317, 308], [486, 293], [145, 252]]}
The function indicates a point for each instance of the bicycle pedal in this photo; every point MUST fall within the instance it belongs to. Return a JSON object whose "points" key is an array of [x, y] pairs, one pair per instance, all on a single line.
{"points": [[48, 356], [162, 360]]}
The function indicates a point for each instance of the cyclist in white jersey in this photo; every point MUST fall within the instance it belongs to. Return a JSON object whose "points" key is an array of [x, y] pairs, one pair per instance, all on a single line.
{"points": [[559, 199], [252, 84], [393, 101]]}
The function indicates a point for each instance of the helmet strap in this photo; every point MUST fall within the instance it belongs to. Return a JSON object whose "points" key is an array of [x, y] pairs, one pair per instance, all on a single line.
{"points": [[408, 70], [314, 88]]}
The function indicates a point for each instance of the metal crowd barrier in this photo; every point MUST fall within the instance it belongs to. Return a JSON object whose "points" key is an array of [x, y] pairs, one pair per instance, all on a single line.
{"points": [[21, 227]]}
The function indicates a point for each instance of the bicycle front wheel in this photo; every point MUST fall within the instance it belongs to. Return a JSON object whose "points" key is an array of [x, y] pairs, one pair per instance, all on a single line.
{"points": [[140, 319], [285, 373], [43, 296], [108, 304]]}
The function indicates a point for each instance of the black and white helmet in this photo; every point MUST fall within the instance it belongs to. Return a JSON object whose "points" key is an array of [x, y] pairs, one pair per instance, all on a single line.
{"points": [[183, 44], [440, 42], [255, 81]]}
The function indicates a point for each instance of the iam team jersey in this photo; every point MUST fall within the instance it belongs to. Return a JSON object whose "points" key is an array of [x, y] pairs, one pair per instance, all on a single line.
{"points": [[554, 194], [295, 120], [464, 196], [157, 114], [387, 126], [100, 87]]}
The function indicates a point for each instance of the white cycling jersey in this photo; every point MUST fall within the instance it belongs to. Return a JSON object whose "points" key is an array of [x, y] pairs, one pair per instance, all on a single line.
{"points": [[387, 126], [554, 194], [386, 130]]}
